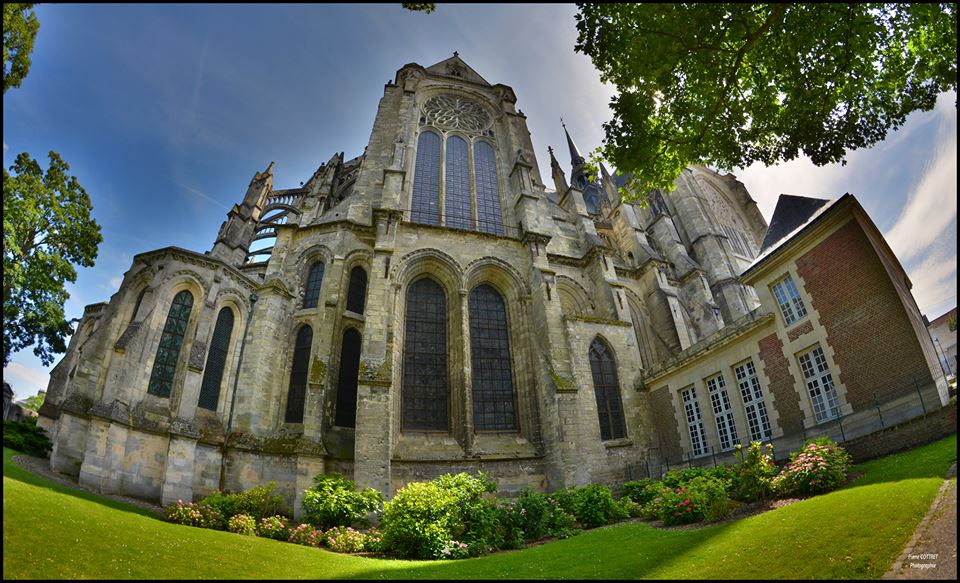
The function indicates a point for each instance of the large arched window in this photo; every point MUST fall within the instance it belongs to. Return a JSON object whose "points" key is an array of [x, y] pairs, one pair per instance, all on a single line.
{"points": [[425, 357], [493, 406], [489, 218], [346, 415], [298, 376], [357, 293], [216, 358], [458, 207], [426, 182], [314, 279], [606, 387], [168, 351]]}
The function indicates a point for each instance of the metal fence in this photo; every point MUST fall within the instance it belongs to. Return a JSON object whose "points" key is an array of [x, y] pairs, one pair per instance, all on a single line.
{"points": [[911, 401]]}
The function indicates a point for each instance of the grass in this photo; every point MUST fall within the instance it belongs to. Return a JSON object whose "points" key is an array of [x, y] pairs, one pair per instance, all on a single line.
{"points": [[51, 531]]}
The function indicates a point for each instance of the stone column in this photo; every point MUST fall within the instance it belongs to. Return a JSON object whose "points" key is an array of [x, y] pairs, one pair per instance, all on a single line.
{"points": [[106, 448], [181, 461], [373, 445]]}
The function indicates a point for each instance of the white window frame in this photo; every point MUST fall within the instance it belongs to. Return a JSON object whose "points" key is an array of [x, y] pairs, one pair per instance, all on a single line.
{"points": [[722, 412], [788, 299], [820, 387], [691, 407], [758, 421]]}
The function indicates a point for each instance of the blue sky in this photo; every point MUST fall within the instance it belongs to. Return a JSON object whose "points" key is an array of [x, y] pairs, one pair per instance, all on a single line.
{"points": [[165, 112]]}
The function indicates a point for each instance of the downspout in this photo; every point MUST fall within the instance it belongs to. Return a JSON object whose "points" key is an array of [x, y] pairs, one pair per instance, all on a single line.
{"points": [[233, 397]]}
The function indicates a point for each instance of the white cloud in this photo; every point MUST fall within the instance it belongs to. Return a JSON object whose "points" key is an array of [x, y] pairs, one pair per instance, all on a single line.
{"points": [[935, 281], [202, 195], [115, 282], [25, 381]]}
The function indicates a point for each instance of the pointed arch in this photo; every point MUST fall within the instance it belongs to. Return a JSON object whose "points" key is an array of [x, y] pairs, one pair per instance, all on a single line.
{"points": [[311, 295], [296, 393], [216, 359], [171, 340], [458, 205], [425, 204], [425, 392], [493, 394], [357, 292], [346, 413], [606, 387]]}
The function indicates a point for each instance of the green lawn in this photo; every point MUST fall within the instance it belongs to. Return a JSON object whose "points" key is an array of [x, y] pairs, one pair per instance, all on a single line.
{"points": [[51, 531]]}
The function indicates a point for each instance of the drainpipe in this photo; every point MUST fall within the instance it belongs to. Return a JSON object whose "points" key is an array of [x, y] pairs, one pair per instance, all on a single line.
{"points": [[233, 397]]}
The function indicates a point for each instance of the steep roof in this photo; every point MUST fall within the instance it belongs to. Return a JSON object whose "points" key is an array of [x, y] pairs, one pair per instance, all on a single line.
{"points": [[791, 212], [458, 68], [941, 319]]}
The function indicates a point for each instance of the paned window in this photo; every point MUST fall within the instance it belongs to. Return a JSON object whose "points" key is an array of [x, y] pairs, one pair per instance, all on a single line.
{"points": [[823, 395], [722, 412], [488, 189], [753, 402], [357, 294], [425, 357], [490, 356], [698, 437], [346, 415], [458, 209], [314, 279], [298, 376], [426, 182], [168, 351], [788, 298], [606, 388], [216, 358]]}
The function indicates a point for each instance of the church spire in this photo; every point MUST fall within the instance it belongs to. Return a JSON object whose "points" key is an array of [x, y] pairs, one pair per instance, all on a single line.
{"points": [[575, 158]]}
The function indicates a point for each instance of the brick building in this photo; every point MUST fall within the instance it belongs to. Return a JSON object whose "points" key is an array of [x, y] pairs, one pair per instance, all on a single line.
{"points": [[431, 306]]}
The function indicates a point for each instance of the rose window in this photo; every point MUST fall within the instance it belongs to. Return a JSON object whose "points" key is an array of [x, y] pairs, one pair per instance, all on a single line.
{"points": [[452, 112]]}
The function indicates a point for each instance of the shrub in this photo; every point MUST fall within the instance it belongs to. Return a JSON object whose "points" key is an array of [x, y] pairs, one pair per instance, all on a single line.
{"points": [[753, 474], [702, 498], [820, 466], [593, 505], [629, 508], [680, 478], [335, 501], [257, 502], [533, 514], [305, 534], [193, 514], [24, 436], [560, 523], [373, 543], [275, 527], [641, 491], [455, 550], [242, 524], [343, 539], [424, 517]]}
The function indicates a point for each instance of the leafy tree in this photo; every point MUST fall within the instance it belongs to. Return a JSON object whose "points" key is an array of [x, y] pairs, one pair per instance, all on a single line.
{"points": [[34, 403], [419, 7], [732, 84], [20, 27], [952, 321], [46, 227]]}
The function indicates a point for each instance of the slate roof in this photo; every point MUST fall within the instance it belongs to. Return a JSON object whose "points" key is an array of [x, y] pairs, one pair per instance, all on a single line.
{"points": [[791, 212]]}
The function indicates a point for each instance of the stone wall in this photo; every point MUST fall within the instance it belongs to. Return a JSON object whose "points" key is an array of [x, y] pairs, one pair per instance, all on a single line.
{"points": [[917, 431]]}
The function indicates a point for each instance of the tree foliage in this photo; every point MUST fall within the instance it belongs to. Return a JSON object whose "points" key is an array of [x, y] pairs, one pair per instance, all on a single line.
{"points": [[20, 27], [35, 402], [733, 84], [47, 227], [424, 7]]}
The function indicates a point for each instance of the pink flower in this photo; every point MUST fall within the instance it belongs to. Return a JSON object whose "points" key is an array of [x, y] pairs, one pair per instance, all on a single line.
{"points": [[676, 514]]}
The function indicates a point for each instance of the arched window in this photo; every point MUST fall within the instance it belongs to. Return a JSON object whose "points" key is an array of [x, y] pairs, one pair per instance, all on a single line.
{"points": [[298, 376], [489, 218], [458, 207], [357, 294], [425, 357], [216, 358], [426, 182], [168, 351], [490, 356], [314, 279], [346, 415], [606, 387]]}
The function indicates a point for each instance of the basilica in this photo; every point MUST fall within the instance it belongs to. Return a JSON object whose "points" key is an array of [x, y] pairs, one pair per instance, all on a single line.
{"points": [[435, 305]]}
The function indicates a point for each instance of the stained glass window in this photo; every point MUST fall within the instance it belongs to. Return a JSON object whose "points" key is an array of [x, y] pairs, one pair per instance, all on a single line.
{"points": [[488, 189], [490, 357], [458, 208], [168, 351], [346, 415], [312, 294], [426, 182], [606, 387], [357, 294], [216, 358], [425, 357], [298, 376]]}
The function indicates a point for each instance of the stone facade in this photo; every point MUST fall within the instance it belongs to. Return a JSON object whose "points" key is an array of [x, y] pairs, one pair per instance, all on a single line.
{"points": [[234, 367]]}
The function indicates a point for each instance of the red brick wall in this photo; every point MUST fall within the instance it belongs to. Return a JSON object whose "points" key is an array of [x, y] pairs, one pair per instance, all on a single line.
{"points": [[666, 424], [873, 342], [799, 331], [787, 402]]}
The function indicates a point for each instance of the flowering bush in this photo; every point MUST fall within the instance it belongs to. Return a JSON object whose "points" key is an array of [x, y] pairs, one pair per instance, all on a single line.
{"points": [[193, 514], [753, 474], [679, 478], [373, 541], [592, 505], [629, 508], [819, 467], [242, 524], [276, 527], [641, 491], [335, 501], [258, 502], [701, 499], [305, 534], [455, 550], [343, 539]]}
